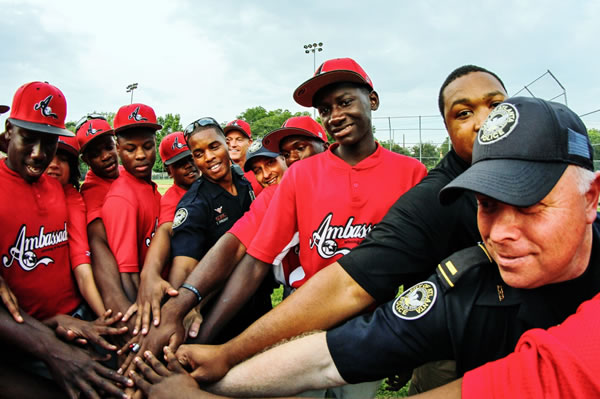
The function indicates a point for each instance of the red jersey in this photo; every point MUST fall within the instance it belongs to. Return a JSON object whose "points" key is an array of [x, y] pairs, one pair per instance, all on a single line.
{"points": [[256, 187], [93, 191], [561, 362], [168, 203], [246, 227], [79, 249], [332, 206], [34, 244], [130, 215]]}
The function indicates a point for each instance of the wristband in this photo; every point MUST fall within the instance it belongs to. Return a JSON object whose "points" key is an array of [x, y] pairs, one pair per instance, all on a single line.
{"points": [[193, 289]]}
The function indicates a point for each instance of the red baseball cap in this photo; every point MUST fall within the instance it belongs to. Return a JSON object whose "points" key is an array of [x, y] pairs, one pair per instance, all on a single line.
{"points": [[4, 108], [135, 115], [332, 71], [240, 125], [92, 129], [294, 126], [69, 144], [41, 107], [173, 147]]}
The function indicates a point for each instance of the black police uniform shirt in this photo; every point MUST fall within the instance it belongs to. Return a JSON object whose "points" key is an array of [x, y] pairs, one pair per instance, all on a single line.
{"points": [[203, 215], [463, 312], [415, 234]]}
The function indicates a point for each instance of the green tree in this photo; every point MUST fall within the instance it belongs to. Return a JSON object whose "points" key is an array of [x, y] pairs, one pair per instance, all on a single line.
{"points": [[429, 154], [395, 147], [262, 121], [170, 123], [594, 135]]}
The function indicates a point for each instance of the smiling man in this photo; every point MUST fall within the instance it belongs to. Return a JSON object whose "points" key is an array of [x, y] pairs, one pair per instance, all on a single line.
{"points": [[132, 205], [239, 138], [267, 166]]}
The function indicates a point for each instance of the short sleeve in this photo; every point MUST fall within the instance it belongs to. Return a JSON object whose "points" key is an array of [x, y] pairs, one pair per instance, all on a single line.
{"points": [[415, 234], [279, 223], [79, 249], [120, 219], [399, 336], [190, 229]]}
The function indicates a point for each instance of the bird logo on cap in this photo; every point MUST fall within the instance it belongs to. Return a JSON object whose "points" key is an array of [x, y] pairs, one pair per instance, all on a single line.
{"points": [[91, 130], [255, 146], [135, 115], [177, 144], [44, 107]]}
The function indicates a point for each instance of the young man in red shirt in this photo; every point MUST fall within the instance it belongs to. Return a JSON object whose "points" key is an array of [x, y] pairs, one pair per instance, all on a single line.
{"points": [[180, 166], [34, 248], [132, 205]]}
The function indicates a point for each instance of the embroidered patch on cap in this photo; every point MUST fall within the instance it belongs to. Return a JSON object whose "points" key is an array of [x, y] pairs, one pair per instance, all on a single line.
{"points": [[416, 301], [255, 146], [180, 217], [499, 124]]}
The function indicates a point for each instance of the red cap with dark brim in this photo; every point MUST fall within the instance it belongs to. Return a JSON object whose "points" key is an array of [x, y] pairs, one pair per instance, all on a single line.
{"points": [[338, 70]]}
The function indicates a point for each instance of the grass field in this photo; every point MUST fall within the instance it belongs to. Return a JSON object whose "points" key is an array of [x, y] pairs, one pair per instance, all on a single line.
{"points": [[163, 184]]}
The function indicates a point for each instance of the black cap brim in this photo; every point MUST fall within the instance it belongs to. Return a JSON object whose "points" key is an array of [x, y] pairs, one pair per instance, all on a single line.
{"points": [[4, 108], [514, 182], [178, 157], [253, 157], [271, 141], [40, 127]]}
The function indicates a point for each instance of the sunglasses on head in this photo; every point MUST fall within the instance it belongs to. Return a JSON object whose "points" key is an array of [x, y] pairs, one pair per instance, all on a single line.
{"points": [[88, 117], [202, 122]]}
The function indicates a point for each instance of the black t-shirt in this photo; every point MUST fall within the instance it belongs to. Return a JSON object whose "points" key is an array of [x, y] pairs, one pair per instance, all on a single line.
{"points": [[205, 213], [477, 320], [415, 234]]}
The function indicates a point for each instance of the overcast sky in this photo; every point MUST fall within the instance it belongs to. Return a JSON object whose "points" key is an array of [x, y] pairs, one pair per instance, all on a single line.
{"points": [[200, 58]]}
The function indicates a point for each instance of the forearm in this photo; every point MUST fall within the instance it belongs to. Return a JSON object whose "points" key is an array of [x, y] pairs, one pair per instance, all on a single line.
{"points": [[159, 252], [218, 263], [130, 283], [327, 299], [290, 368], [89, 290], [31, 336], [105, 269], [241, 285]]}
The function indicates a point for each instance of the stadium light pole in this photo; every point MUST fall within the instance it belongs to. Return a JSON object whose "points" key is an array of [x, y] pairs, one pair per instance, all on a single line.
{"points": [[130, 89], [313, 48]]}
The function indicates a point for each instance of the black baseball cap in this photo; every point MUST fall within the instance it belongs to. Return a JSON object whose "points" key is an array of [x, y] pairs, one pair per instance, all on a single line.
{"points": [[522, 150], [4, 108], [255, 150]]}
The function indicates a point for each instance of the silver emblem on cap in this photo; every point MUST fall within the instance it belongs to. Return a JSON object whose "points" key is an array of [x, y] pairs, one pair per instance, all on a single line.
{"points": [[499, 124], [255, 146]]}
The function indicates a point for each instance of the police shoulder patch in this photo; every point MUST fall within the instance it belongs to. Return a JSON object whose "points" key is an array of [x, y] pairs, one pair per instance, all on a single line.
{"points": [[452, 268], [180, 217], [415, 302]]}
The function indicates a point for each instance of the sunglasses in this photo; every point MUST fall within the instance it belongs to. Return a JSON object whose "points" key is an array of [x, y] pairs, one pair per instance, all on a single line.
{"points": [[202, 122], [88, 117]]}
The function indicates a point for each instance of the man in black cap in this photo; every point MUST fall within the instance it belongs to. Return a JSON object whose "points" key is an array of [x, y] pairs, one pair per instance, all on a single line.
{"points": [[533, 177]]}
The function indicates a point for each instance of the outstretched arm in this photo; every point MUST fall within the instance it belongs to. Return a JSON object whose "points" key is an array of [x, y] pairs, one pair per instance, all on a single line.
{"points": [[241, 285], [287, 369], [328, 298], [106, 270]]}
